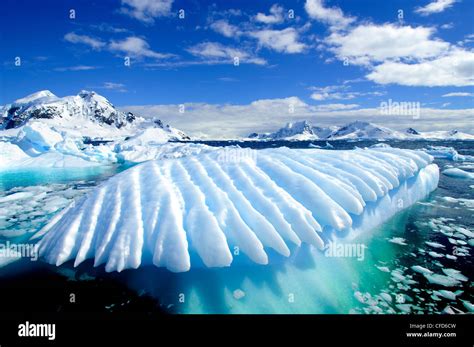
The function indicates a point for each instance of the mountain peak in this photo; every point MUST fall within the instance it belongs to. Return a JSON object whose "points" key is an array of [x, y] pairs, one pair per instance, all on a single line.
{"points": [[412, 131], [45, 105], [85, 93], [42, 94]]}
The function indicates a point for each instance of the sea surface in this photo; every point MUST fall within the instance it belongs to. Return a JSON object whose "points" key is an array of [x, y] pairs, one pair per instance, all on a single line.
{"points": [[433, 235]]}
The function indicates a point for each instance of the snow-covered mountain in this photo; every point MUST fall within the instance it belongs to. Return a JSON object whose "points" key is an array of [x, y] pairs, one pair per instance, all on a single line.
{"points": [[301, 131], [46, 105], [364, 130], [86, 114], [296, 131]]}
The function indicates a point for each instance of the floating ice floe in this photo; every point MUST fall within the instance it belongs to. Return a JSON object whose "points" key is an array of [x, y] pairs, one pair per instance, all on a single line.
{"points": [[456, 274], [195, 210], [447, 294], [468, 305], [421, 269], [458, 173], [434, 244], [398, 240], [442, 280], [446, 153], [26, 209], [469, 203], [383, 268], [452, 310]]}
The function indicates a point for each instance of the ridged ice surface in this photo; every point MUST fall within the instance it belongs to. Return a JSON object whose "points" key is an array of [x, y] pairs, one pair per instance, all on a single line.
{"points": [[196, 210]]}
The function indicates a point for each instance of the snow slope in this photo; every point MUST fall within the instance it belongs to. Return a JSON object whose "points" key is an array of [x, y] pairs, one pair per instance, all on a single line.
{"points": [[195, 210]]}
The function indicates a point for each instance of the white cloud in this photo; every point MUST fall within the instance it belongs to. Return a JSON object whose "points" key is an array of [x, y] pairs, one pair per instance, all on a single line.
{"points": [[86, 40], [146, 10], [338, 92], [76, 68], [335, 107], [436, 6], [467, 39], [132, 46], [230, 121], [223, 27], [136, 47], [458, 94], [447, 26], [119, 87], [453, 69], [283, 41], [369, 43], [275, 16], [214, 52], [332, 16]]}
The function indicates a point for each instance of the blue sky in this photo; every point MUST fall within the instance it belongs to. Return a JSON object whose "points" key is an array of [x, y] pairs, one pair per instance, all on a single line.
{"points": [[332, 62]]}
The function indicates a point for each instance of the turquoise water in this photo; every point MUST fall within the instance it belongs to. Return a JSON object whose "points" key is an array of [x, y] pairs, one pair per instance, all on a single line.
{"points": [[32, 177], [383, 281]]}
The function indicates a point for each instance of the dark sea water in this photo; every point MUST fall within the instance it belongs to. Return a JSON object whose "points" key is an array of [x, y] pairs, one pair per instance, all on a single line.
{"points": [[383, 282]]}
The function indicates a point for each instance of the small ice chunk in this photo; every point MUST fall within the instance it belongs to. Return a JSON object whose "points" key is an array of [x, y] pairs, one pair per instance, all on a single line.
{"points": [[406, 308], [468, 305], [398, 241], [397, 276], [16, 196], [383, 268], [447, 294], [465, 231], [455, 274], [386, 297], [451, 310], [360, 297], [238, 294], [434, 244], [442, 280], [458, 173], [421, 269]]}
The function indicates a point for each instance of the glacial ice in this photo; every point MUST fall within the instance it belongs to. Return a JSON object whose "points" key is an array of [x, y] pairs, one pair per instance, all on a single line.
{"points": [[10, 153], [37, 137], [39, 145], [199, 209]]}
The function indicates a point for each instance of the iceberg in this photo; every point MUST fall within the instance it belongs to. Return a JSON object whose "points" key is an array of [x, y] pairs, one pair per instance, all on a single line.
{"points": [[199, 210], [448, 153]]}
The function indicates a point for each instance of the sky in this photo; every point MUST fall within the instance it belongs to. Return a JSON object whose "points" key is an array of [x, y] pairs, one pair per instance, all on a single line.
{"points": [[227, 68]]}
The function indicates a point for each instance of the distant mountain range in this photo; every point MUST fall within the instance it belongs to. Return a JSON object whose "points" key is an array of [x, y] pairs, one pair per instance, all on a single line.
{"points": [[301, 131], [87, 114]]}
